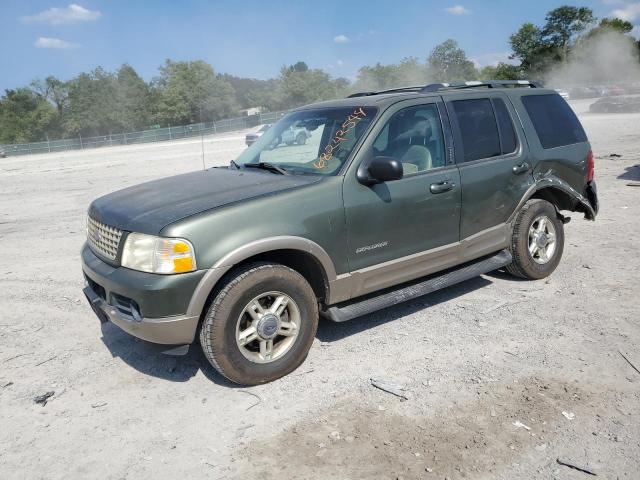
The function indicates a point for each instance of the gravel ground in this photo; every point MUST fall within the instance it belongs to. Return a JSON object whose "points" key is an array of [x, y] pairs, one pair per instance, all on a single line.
{"points": [[477, 360]]}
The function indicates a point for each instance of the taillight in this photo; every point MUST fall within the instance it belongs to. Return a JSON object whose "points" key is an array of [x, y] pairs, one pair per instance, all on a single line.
{"points": [[590, 167]]}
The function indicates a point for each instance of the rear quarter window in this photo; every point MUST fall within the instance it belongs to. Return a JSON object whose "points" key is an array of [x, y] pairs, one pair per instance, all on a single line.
{"points": [[554, 121]]}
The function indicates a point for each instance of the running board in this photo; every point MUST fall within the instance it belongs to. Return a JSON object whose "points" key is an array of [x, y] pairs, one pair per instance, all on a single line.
{"points": [[433, 283]]}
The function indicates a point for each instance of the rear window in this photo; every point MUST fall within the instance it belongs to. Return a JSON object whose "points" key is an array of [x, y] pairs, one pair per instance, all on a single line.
{"points": [[554, 121], [478, 128]]}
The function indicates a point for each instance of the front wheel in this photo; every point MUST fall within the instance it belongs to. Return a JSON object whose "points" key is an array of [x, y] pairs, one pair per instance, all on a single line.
{"points": [[537, 241], [301, 139], [261, 325]]}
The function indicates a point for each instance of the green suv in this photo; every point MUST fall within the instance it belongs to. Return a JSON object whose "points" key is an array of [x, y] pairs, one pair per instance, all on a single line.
{"points": [[394, 194]]}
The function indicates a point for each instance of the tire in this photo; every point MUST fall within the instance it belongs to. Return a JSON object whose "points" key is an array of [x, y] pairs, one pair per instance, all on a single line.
{"points": [[545, 258], [228, 317], [301, 139]]}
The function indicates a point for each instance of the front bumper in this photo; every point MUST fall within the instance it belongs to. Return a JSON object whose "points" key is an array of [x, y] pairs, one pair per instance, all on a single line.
{"points": [[149, 306]]}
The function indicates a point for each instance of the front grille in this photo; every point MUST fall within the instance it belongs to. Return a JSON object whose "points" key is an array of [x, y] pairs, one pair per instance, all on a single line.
{"points": [[103, 239]]}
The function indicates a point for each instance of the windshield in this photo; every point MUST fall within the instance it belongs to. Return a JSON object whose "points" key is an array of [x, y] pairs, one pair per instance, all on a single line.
{"points": [[315, 141]]}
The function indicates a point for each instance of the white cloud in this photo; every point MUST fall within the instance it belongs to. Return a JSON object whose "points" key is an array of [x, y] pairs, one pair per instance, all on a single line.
{"points": [[341, 39], [629, 12], [63, 16], [458, 10], [47, 42], [340, 63]]}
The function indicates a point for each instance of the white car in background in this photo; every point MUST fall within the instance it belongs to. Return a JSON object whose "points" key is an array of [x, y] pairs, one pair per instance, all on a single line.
{"points": [[252, 137]]}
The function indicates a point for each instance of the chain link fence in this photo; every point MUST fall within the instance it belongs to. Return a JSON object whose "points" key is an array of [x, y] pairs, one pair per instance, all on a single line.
{"points": [[145, 136]]}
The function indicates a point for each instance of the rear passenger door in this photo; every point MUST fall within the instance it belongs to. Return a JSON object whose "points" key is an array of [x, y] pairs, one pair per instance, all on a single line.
{"points": [[493, 160]]}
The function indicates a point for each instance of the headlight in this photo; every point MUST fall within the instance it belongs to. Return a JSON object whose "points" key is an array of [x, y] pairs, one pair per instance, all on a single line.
{"points": [[157, 254]]}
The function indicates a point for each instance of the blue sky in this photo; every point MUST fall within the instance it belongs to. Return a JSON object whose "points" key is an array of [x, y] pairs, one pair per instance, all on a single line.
{"points": [[255, 38]]}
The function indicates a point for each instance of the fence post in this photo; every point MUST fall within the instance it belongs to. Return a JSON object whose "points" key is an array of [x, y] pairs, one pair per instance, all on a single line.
{"points": [[170, 132], [48, 142], [81, 147]]}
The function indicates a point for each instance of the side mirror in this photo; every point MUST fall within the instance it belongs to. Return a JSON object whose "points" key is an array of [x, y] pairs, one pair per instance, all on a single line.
{"points": [[380, 169]]}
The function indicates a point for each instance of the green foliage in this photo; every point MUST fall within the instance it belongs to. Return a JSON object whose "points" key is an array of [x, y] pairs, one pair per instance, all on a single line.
{"points": [[447, 62], [190, 92], [24, 115], [502, 71], [615, 24], [380, 77], [299, 85], [563, 23]]}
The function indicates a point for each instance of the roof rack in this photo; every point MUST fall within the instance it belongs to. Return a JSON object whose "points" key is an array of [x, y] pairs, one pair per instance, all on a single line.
{"points": [[436, 87], [415, 88]]}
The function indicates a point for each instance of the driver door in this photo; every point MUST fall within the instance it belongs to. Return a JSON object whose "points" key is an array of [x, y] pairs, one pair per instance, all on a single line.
{"points": [[401, 230]]}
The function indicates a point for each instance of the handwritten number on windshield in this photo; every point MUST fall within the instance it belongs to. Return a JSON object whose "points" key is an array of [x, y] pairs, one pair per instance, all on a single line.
{"points": [[348, 125]]}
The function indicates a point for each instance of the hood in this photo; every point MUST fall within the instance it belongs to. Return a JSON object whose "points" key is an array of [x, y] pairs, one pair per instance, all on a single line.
{"points": [[149, 207]]}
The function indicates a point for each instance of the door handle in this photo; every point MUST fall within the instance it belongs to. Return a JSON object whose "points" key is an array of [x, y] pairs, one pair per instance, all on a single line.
{"points": [[442, 187], [522, 168]]}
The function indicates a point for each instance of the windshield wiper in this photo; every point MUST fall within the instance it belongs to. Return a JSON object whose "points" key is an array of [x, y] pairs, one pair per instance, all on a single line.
{"points": [[233, 164], [267, 166]]}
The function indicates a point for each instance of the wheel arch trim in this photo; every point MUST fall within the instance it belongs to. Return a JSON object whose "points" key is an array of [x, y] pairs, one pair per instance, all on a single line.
{"points": [[265, 245], [554, 183]]}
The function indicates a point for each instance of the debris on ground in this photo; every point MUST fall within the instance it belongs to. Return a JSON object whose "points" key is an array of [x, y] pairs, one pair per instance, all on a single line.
{"points": [[519, 424], [390, 387], [633, 184], [629, 361], [615, 155], [254, 395], [45, 361], [44, 398], [98, 404], [569, 415], [8, 384], [570, 464]]}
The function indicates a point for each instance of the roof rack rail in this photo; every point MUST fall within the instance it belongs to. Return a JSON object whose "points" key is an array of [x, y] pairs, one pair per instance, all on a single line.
{"points": [[436, 87], [415, 88]]}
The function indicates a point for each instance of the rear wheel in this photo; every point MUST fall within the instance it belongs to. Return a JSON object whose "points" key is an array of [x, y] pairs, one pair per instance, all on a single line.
{"points": [[261, 325], [537, 241]]}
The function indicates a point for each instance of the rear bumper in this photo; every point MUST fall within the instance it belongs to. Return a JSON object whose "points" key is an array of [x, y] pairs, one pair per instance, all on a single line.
{"points": [[592, 196], [149, 306]]}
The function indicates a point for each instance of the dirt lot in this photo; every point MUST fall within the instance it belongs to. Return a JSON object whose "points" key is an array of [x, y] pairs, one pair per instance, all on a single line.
{"points": [[474, 359]]}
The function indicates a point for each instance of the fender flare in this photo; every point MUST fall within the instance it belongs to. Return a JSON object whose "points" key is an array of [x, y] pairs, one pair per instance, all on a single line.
{"points": [[556, 183], [222, 266]]}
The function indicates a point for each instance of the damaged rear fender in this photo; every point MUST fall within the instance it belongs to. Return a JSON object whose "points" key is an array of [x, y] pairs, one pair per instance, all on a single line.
{"points": [[562, 196]]}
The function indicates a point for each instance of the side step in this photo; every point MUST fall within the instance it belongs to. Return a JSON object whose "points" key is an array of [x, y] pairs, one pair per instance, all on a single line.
{"points": [[433, 283]]}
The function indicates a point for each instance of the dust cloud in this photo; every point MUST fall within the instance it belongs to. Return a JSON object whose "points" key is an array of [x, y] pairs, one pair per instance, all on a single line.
{"points": [[607, 58]]}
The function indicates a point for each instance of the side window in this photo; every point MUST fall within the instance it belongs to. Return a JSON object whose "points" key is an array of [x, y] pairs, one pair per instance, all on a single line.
{"points": [[554, 121], [507, 133], [478, 127], [414, 137]]}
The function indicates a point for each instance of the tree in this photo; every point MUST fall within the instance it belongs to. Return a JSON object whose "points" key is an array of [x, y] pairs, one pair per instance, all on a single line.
{"points": [[133, 99], [501, 71], [190, 92], [25, 116], [300, 85], [563, 23], [447, 62], [381, 77], [93, 106]]}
